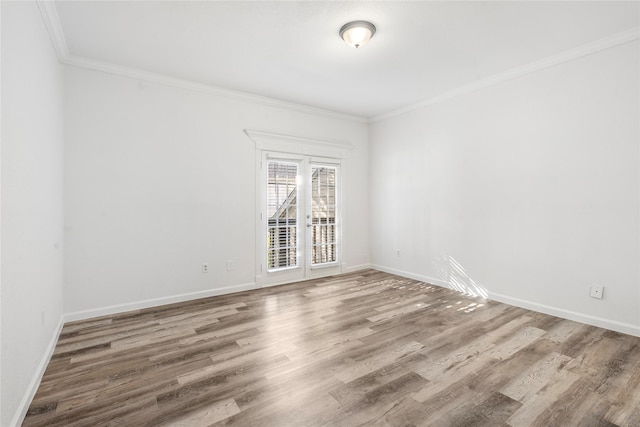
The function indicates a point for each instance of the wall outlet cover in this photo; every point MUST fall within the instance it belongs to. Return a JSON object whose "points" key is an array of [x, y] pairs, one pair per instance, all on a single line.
{"points": [[597, 291]]}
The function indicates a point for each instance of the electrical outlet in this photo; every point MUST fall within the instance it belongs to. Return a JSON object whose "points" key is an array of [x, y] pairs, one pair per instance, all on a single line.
{"points": [[229, 265], [205, 268], [597, 291]]}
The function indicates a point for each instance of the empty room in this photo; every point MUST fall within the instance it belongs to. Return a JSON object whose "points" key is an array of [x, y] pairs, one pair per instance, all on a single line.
{"points": [[320, 213]]}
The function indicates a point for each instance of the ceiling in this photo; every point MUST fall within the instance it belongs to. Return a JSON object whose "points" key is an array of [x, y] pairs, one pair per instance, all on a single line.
{"points": [[291, 50]]}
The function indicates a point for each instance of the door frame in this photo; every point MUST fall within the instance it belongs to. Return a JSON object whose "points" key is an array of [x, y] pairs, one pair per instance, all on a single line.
{"points": [[289, 274], [291, 147]]}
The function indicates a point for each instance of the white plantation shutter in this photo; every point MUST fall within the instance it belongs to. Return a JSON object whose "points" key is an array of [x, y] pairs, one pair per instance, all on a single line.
{"points": [[323, 215], [282, 212]]}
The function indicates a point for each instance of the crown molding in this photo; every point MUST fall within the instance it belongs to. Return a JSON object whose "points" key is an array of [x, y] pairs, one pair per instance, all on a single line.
{"points": [[566, 56], [52, 23], [56, 34], [148, 76]]}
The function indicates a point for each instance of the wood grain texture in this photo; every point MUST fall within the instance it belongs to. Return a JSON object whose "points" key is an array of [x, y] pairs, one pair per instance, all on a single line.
{"points": [[366, 348]]}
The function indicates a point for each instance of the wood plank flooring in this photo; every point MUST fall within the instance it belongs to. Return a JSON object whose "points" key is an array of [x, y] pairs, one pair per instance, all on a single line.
{"points": [[367, 348]]}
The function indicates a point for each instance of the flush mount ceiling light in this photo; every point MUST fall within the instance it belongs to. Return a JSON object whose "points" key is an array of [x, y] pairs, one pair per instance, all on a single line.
{"points": [[357, 33]]}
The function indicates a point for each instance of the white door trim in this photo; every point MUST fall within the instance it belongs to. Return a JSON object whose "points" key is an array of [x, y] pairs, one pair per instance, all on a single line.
{"points": [[307, 150]]}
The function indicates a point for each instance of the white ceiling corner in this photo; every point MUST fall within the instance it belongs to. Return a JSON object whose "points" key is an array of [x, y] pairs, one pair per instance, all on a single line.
{"points": [[52, 22], [148, 76], [580, 51], [423, 51]]}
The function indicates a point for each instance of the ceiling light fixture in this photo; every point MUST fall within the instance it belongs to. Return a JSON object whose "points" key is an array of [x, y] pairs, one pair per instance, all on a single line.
{"points": [[357, 33]]}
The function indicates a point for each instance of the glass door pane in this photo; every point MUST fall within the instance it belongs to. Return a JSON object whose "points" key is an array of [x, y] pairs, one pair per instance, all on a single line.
{"points": [[282, 214], [323, 215]]}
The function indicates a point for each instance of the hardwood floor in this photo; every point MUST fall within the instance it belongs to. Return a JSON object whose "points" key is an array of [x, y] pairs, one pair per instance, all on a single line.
{"points": [[366, 348]]}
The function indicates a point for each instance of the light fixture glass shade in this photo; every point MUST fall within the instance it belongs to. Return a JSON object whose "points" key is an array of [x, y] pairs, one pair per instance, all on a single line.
{"points": [[357, 33]]}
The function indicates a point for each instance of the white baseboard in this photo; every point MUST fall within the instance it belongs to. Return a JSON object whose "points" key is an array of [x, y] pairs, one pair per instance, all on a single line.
{"points": [[625, 328], [18, 418], [138, 305]]}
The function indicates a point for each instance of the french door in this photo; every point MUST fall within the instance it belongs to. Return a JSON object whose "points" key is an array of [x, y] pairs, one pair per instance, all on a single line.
{"points": [[299, 228]]}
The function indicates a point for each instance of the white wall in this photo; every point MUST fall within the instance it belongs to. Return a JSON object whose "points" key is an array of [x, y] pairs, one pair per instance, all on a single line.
{"points": [[528, 189], [31, 279], [159, 180]]}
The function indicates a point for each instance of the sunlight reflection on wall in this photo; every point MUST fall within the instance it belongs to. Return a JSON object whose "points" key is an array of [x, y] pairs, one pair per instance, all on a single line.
{"points": [[452, 272]]}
